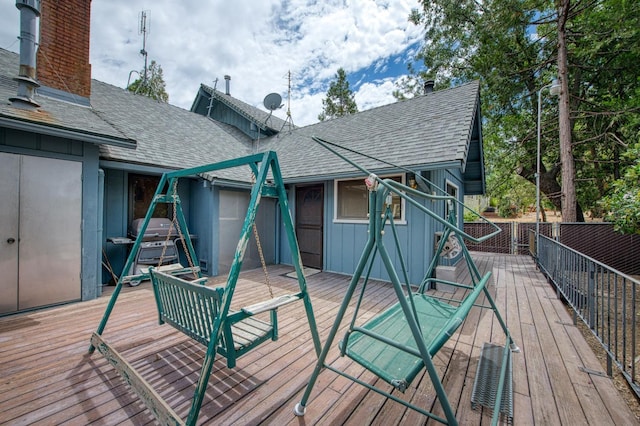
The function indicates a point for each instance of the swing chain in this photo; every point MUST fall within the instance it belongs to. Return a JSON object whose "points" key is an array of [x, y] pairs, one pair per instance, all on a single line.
{"points": [[174, 197], [262, 261], [257, 237]]}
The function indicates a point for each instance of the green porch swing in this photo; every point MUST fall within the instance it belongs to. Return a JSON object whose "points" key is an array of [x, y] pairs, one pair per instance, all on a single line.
{"points": [[397, 344], [204, 313]]}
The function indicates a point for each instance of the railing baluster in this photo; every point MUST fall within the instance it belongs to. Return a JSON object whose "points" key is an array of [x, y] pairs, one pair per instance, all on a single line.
{"points": [[602, 297]]}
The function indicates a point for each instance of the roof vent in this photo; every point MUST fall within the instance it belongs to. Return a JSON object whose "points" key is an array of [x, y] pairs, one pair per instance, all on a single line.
{"points": [[428, 86], [29, 13], [227, 80]]}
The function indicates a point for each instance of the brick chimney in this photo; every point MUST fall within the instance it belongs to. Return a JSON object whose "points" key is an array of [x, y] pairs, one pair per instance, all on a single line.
{"points": [[63, 54]]}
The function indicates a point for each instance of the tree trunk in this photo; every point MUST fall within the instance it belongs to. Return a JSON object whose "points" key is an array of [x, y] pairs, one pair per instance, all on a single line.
{"points": [[549, 186], [551, 189], [569, 200]]}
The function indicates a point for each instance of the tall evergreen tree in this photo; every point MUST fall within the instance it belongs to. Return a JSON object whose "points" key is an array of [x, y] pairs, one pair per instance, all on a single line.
{"points": [[340, 99], [151, 83], [511, 46]]}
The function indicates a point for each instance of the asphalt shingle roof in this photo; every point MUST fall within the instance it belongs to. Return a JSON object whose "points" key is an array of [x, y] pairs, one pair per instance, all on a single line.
{"points": [[53, 115], [422, 132], [166, 135]]}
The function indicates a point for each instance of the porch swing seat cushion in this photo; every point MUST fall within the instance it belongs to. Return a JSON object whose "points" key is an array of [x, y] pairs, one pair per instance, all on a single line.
{"points": [[438, 321]]}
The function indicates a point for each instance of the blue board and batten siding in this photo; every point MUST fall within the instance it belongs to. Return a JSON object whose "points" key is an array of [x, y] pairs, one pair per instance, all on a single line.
{"points": [[343, 241], [214, 214], [204, 223], [38, 145], [116, 216]]}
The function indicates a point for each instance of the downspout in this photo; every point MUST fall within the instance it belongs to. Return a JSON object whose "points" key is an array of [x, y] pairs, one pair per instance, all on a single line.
{"points": [[100, 229]]}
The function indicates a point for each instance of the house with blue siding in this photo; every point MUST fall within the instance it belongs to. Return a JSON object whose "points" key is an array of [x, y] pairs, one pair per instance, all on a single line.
{"points": [[80, 160], [437, 135]]}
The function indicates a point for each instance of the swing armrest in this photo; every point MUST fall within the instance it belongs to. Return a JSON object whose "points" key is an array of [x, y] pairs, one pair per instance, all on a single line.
{"points": [[270, 304]]}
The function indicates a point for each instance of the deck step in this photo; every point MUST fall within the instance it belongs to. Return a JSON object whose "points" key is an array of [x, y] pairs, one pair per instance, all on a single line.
{"points": [[485, 386]]}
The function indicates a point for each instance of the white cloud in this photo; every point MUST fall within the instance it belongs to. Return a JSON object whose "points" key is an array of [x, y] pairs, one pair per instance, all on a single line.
{"points": [[256, 43], [375, 93]]}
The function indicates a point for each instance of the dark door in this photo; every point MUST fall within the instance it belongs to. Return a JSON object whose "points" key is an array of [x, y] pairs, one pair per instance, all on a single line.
{"points": [[309, 220]]}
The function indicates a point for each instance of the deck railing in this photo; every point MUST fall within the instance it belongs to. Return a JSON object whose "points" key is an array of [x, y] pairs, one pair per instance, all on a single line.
{"points": [[604, 298]]}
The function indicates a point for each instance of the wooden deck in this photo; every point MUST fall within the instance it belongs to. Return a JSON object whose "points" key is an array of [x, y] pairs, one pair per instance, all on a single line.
{"points": [[48, 378]]}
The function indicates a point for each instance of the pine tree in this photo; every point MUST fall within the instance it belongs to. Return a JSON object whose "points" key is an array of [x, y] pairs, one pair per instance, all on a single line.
{"points": [[340, 99], [151, 84]]}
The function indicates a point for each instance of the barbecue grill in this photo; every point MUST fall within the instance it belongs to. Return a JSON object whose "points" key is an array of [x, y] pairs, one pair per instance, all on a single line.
{"points": [[157, 229], [158, 237]]}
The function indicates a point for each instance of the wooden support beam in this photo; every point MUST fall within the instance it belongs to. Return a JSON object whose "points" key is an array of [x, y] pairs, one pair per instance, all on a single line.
{"points": [[158, 407]]}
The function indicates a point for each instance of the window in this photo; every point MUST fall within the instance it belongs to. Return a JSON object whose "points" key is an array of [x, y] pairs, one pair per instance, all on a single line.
{"points": [[141, 191], [452, 190], [352, 200]]}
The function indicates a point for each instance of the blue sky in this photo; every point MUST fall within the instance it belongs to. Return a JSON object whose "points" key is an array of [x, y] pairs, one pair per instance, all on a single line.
{"points": [[257, 43]]}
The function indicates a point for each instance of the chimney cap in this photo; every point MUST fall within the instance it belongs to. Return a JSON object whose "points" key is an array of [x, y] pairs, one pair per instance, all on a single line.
{"points": [[32, 4], [428, 86]]}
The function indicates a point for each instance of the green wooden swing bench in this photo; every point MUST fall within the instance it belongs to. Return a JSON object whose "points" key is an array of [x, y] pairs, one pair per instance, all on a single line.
{"points": [[204, 313], [192, 309], [400, 342]]}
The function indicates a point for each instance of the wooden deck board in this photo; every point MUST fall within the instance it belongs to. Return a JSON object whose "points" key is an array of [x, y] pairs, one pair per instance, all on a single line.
{"points": [[47, 377]]}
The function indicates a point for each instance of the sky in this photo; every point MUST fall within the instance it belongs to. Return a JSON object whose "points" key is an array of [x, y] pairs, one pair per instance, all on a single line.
{"points": [[258, 43]]}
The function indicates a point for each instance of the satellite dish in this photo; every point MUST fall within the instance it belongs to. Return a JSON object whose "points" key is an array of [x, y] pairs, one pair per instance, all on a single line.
{"points": [[272, 101]]}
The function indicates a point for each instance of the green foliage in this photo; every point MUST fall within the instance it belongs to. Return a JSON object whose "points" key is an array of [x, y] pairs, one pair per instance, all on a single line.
{"points": [[623, 202], [470, 216], [492, 41], [340, 99], [153, 85], [519, 199], [510, 46], [605, 50]]}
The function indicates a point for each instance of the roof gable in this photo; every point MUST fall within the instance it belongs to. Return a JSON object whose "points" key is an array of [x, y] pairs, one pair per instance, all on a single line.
{"points": [[225, 108], [425, 132]]}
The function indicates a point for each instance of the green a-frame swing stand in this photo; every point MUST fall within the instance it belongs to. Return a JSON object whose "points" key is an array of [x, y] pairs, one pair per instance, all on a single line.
{"points": [[201, 312], [400, 342]]}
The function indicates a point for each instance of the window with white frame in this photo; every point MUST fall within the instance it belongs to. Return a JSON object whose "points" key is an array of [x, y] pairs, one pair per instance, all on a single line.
{"points": [[452, 190], [352, 200]]}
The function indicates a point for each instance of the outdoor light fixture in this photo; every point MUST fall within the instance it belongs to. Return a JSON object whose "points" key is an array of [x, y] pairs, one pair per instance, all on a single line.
{"points": [[554, 90]]}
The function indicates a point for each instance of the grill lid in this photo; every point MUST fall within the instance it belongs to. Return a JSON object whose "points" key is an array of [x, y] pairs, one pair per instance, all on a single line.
{"points": [[158, 227]]}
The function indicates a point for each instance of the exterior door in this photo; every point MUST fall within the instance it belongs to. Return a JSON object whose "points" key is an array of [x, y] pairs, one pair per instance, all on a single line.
{"points": [[309, 224], [40, 231], [9, 236]]}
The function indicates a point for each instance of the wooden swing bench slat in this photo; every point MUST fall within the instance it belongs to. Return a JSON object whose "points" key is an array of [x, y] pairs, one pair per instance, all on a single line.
{"points": [[270, 304], [386, 346]]}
